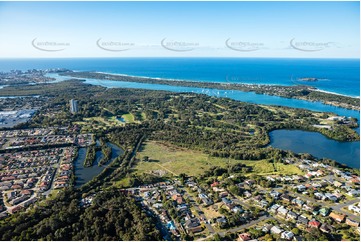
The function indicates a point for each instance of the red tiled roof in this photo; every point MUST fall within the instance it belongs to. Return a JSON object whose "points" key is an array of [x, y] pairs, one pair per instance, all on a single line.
{"points": [[314, 223]]}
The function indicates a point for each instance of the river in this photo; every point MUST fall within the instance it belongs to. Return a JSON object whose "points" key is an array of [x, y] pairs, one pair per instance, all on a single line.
{"points": [[250, 97]]}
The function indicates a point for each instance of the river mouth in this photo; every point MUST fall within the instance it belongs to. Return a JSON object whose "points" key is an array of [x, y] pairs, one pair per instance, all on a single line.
{"points": [[318, 145], [85, 174]]}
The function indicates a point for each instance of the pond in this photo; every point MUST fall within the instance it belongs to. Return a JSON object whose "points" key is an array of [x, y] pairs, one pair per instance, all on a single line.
{"points": [[121, 119], [317, 145], [85, 174]]}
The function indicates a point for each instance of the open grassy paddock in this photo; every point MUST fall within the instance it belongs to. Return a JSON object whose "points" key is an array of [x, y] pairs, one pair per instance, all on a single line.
{"points": [[176, 160]]}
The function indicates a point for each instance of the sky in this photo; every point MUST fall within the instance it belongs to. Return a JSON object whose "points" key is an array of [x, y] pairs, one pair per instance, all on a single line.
{"points": [[180, 29]]}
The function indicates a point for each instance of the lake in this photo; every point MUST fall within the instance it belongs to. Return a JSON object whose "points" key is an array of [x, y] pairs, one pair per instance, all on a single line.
{"points": [[85, 174], [317, 145]]}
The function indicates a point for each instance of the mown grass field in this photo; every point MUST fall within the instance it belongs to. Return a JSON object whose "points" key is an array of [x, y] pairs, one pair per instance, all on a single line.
{"points": [[129, 118], [176, 160], [99, 123]]}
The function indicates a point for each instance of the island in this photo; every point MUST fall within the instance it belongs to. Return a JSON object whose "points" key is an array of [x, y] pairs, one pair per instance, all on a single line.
{"points": [[308, 79]]}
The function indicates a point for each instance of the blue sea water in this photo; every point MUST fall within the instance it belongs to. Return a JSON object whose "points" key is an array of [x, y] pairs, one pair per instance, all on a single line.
{"points": [[335, 75]]}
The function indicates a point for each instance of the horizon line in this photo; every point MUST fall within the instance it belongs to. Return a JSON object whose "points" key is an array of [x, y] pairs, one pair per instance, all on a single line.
{"points": [[179, 57]]}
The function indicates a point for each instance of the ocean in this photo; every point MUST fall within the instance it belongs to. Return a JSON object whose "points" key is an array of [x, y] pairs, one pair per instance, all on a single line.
{"points": [[340, 76]]}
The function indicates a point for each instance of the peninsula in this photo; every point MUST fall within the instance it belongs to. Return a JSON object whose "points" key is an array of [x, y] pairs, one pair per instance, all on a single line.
{"points": [[303, 92]]}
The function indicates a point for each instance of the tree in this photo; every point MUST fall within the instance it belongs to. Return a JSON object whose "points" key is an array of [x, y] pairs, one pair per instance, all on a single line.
{"points": [[296, 231], [222, 211], [234, 190], [268, 237]]}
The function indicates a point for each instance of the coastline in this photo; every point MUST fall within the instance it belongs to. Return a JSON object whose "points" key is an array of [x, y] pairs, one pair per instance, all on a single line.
{"points": [[301, 92], [335, 93], [218, 82]]}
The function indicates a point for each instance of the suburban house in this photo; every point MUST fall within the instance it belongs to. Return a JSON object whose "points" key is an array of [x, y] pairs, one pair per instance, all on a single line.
{"points": [[193, 225], [337, 217], [352, 223], [288, 235], [244, 237], [292, 215], [326, 228], [324, 211], [276, 230], [314, 224], [302, 220], [282, 211]]}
